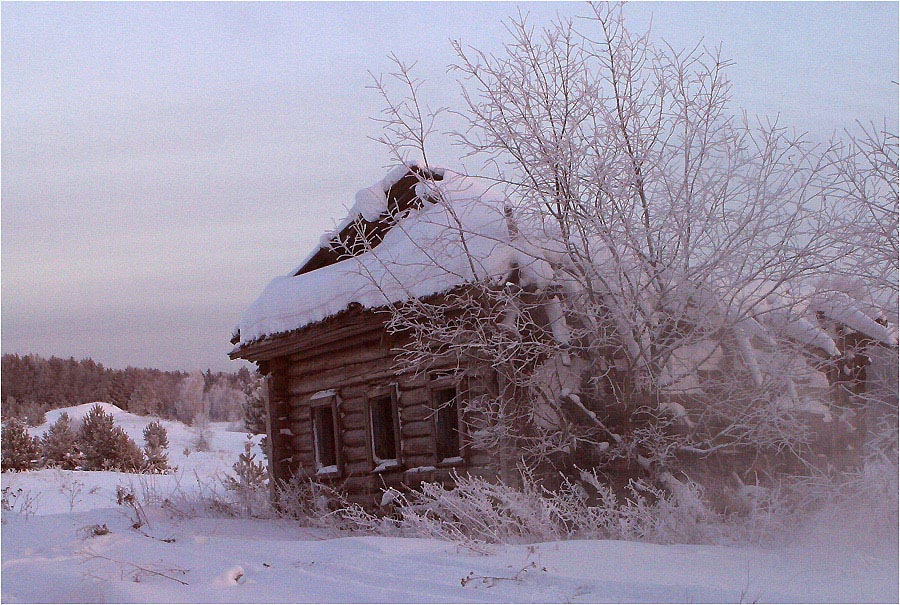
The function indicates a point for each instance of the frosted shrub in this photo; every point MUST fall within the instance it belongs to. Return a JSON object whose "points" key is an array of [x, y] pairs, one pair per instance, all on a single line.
{"points": [[489, 512], [105, 445], [308, 501], [477, 512], [20, 451], [60, 445], [156, 441]]}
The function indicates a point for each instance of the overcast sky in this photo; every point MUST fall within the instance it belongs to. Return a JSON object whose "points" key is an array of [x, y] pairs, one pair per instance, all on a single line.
{"points": [[162, 162]]}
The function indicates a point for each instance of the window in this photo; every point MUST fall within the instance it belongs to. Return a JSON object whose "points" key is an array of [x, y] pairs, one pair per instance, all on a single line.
{"points": [[384, 427], [326, 436], [446, 424]]}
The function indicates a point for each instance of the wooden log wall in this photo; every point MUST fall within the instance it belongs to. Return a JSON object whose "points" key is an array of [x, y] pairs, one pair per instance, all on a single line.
{"points": [[354, 365]]}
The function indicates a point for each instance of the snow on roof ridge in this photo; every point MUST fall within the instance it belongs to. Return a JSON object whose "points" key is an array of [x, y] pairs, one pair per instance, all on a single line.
{"points": [[370, 202], [462, 238]]}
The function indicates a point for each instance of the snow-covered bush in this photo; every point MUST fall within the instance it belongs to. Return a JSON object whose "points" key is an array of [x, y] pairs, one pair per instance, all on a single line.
{"points": [[60, 445], [477, 512], [107, 446], [20, 451], [480, 511], [156, 441], [310, 502]]}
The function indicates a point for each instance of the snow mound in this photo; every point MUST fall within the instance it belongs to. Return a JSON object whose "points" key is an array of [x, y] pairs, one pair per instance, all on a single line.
{"points": [[78, 412], [227, 440]]}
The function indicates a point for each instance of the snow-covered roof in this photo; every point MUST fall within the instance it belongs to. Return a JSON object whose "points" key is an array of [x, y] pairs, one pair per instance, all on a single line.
{"points": [[460, 234], [840, 307]]}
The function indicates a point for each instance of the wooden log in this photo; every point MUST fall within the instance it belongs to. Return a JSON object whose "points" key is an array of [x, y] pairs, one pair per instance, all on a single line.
{"points": [[419, 428], [416, 413], [354, 438], [416, 396], [357, 467], [360, 483], [356, 420], [417, 446], [419, 461], [302, 427], [374, 356], [356, 453], [341, 379]]}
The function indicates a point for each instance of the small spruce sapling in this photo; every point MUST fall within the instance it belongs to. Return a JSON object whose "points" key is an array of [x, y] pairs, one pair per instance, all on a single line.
{"points": [[60, 445], [157, 441], [250, 477], [19, 450]]}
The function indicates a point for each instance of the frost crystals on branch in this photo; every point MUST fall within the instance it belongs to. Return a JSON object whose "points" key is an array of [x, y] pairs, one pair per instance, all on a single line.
{"points": [[665, 248]]}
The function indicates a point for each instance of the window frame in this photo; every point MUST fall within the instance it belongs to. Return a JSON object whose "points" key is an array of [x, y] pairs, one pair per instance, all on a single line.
{"points": [[318, 401], [441, 382], [392, 391]]}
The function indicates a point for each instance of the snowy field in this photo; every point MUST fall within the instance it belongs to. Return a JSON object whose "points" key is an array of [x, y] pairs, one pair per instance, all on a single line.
{"points": [[51, 554]]}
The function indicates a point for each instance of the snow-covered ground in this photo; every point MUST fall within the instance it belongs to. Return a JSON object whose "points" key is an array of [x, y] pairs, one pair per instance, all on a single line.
{"points": [[49, 553]]}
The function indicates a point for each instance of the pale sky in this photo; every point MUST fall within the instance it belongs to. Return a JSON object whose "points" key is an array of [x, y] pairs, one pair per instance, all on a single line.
{"points": [[162, 162]]}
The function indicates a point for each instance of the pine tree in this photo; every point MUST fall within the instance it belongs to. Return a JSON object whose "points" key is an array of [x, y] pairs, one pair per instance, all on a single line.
{"points": [[19, 451], [60, 445], [126, 455], [157, 441], [255, 406], [105, 445], [257, 396]]}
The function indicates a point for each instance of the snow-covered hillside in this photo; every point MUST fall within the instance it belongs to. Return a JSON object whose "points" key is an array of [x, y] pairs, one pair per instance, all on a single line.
{"points": [[50, 554]]}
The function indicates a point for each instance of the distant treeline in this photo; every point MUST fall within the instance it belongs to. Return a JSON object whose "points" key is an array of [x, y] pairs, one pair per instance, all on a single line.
{"points": [[32, 384]]}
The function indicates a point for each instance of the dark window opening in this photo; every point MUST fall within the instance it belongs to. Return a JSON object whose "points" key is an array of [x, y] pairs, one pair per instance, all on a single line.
{"points": [[324, 426], [446, 424], [382, 415]]}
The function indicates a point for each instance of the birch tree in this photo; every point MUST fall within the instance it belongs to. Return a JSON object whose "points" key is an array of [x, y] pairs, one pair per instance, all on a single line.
{"points": [[683, 236]]}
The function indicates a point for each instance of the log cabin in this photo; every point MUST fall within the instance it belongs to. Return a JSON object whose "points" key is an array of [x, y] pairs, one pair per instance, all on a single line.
{"points": [[340, 408]]}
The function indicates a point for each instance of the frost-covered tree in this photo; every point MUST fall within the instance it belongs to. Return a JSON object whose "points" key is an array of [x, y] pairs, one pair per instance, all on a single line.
{"points": [[255, 396], [249, 480], [105, 445], [191, 400], [156, 442], [60, 445], [20, 451], [225, 402], [666, 246]]}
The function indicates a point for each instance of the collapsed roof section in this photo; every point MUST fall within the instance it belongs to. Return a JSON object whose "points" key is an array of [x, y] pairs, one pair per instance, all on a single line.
{"points": [[377, 209]]}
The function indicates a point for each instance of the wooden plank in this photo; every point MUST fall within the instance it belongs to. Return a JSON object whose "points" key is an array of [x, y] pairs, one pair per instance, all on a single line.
{"points": [[414, 396], [358, 467], [345, 325]]}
